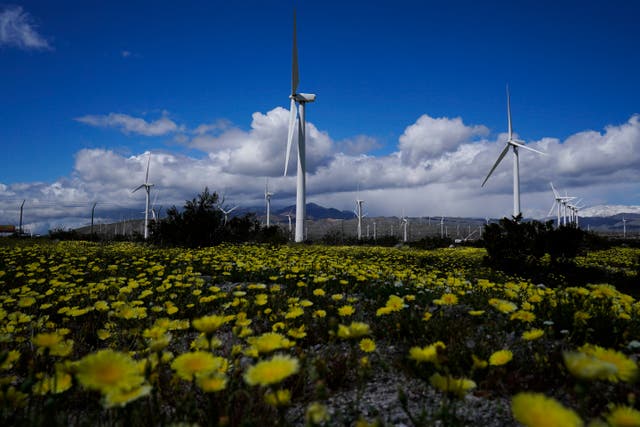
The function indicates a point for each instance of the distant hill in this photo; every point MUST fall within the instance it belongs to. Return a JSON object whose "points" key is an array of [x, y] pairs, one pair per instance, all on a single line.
{"points": [[315, 211]]}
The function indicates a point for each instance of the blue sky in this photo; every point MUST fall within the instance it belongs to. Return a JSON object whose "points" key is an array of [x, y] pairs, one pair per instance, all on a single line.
{"points": [[413, 88]]}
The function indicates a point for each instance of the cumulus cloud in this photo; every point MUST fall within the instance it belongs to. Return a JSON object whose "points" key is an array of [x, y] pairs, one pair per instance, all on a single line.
{"points": [[431, 137], [18, 30], [438, 178], [128, 124]]}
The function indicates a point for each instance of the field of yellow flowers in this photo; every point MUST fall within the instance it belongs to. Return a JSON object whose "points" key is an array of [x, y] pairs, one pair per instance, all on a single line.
{"points": [[127, 334]]}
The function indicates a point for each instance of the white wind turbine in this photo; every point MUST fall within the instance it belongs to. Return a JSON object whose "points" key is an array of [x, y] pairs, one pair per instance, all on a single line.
{"points": [[514, 144], [289, 218], [624, 227], [147, 189], [227, 212], [559, 201], [297, 117], [404, 221], [267, 198], [359, 215]]}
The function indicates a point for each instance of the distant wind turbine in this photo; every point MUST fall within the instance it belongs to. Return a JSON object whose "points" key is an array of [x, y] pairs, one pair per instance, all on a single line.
{"points": [[559, 201], [227, 212], [297, 116], [404, 221], [267, 198], [359, 216], [147, 189], [514, 144]]}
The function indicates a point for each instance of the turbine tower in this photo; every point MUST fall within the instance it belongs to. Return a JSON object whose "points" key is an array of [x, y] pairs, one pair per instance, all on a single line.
{"points": [[267, 198], [297, 117], [514, 144], [359, 215], [147, 189], [404, 221]]}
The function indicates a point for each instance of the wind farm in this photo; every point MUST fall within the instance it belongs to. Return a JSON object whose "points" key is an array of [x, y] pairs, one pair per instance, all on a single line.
{"points": [[400, 242]]}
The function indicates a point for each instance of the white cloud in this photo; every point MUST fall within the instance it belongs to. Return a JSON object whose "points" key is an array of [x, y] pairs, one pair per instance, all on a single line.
{"points": [[18, 30], [429, 137], [128, 124], [440, 179]]}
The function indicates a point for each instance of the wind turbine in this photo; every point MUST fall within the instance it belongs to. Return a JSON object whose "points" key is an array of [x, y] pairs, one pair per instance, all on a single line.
{"points": [[147, 189], [624, 227], [514, 144], [297, 117], [404, 221], [359, 215], [289, 218], [227, 212], [558, 202], [267, 198]]}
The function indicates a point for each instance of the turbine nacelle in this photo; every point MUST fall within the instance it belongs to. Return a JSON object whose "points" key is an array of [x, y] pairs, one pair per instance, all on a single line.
{"points": [[303, 97]]}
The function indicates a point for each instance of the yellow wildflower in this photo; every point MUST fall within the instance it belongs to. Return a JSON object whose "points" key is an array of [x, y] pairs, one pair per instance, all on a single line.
{"points": [[538, 410], [457, 386], [272, 371], [500, 357]]}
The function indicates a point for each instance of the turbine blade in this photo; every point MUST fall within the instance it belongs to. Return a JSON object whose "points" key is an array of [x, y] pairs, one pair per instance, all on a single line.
{"points": [[495, 165], [137, 188], [552, 206], [555, 193], [518, 144], [292, 125], [509, 113], [294, 57], [232, 209], [146, 178]]}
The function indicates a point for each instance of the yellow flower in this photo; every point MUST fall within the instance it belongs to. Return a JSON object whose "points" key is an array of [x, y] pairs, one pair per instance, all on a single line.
{"points": [[316, 413], [394, 303], [476, 312], [278, 398], [58, 384], [270, 341], [538, 410], [426, 316], [297, 333], [428, 353], [367, 345], [624, 416], [346, 310], [457, 386], [319, 313], [212, 382], [532, 334], [319, 292], [122, 397], [354, 330], [294, 312], [500, 357], [209, 324], [627, 368], [588, 367], [478, 363], [107, 371], [47, 340], [503, 306], [272, 371], [446, 299], [524, 316], [195, 363]]}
